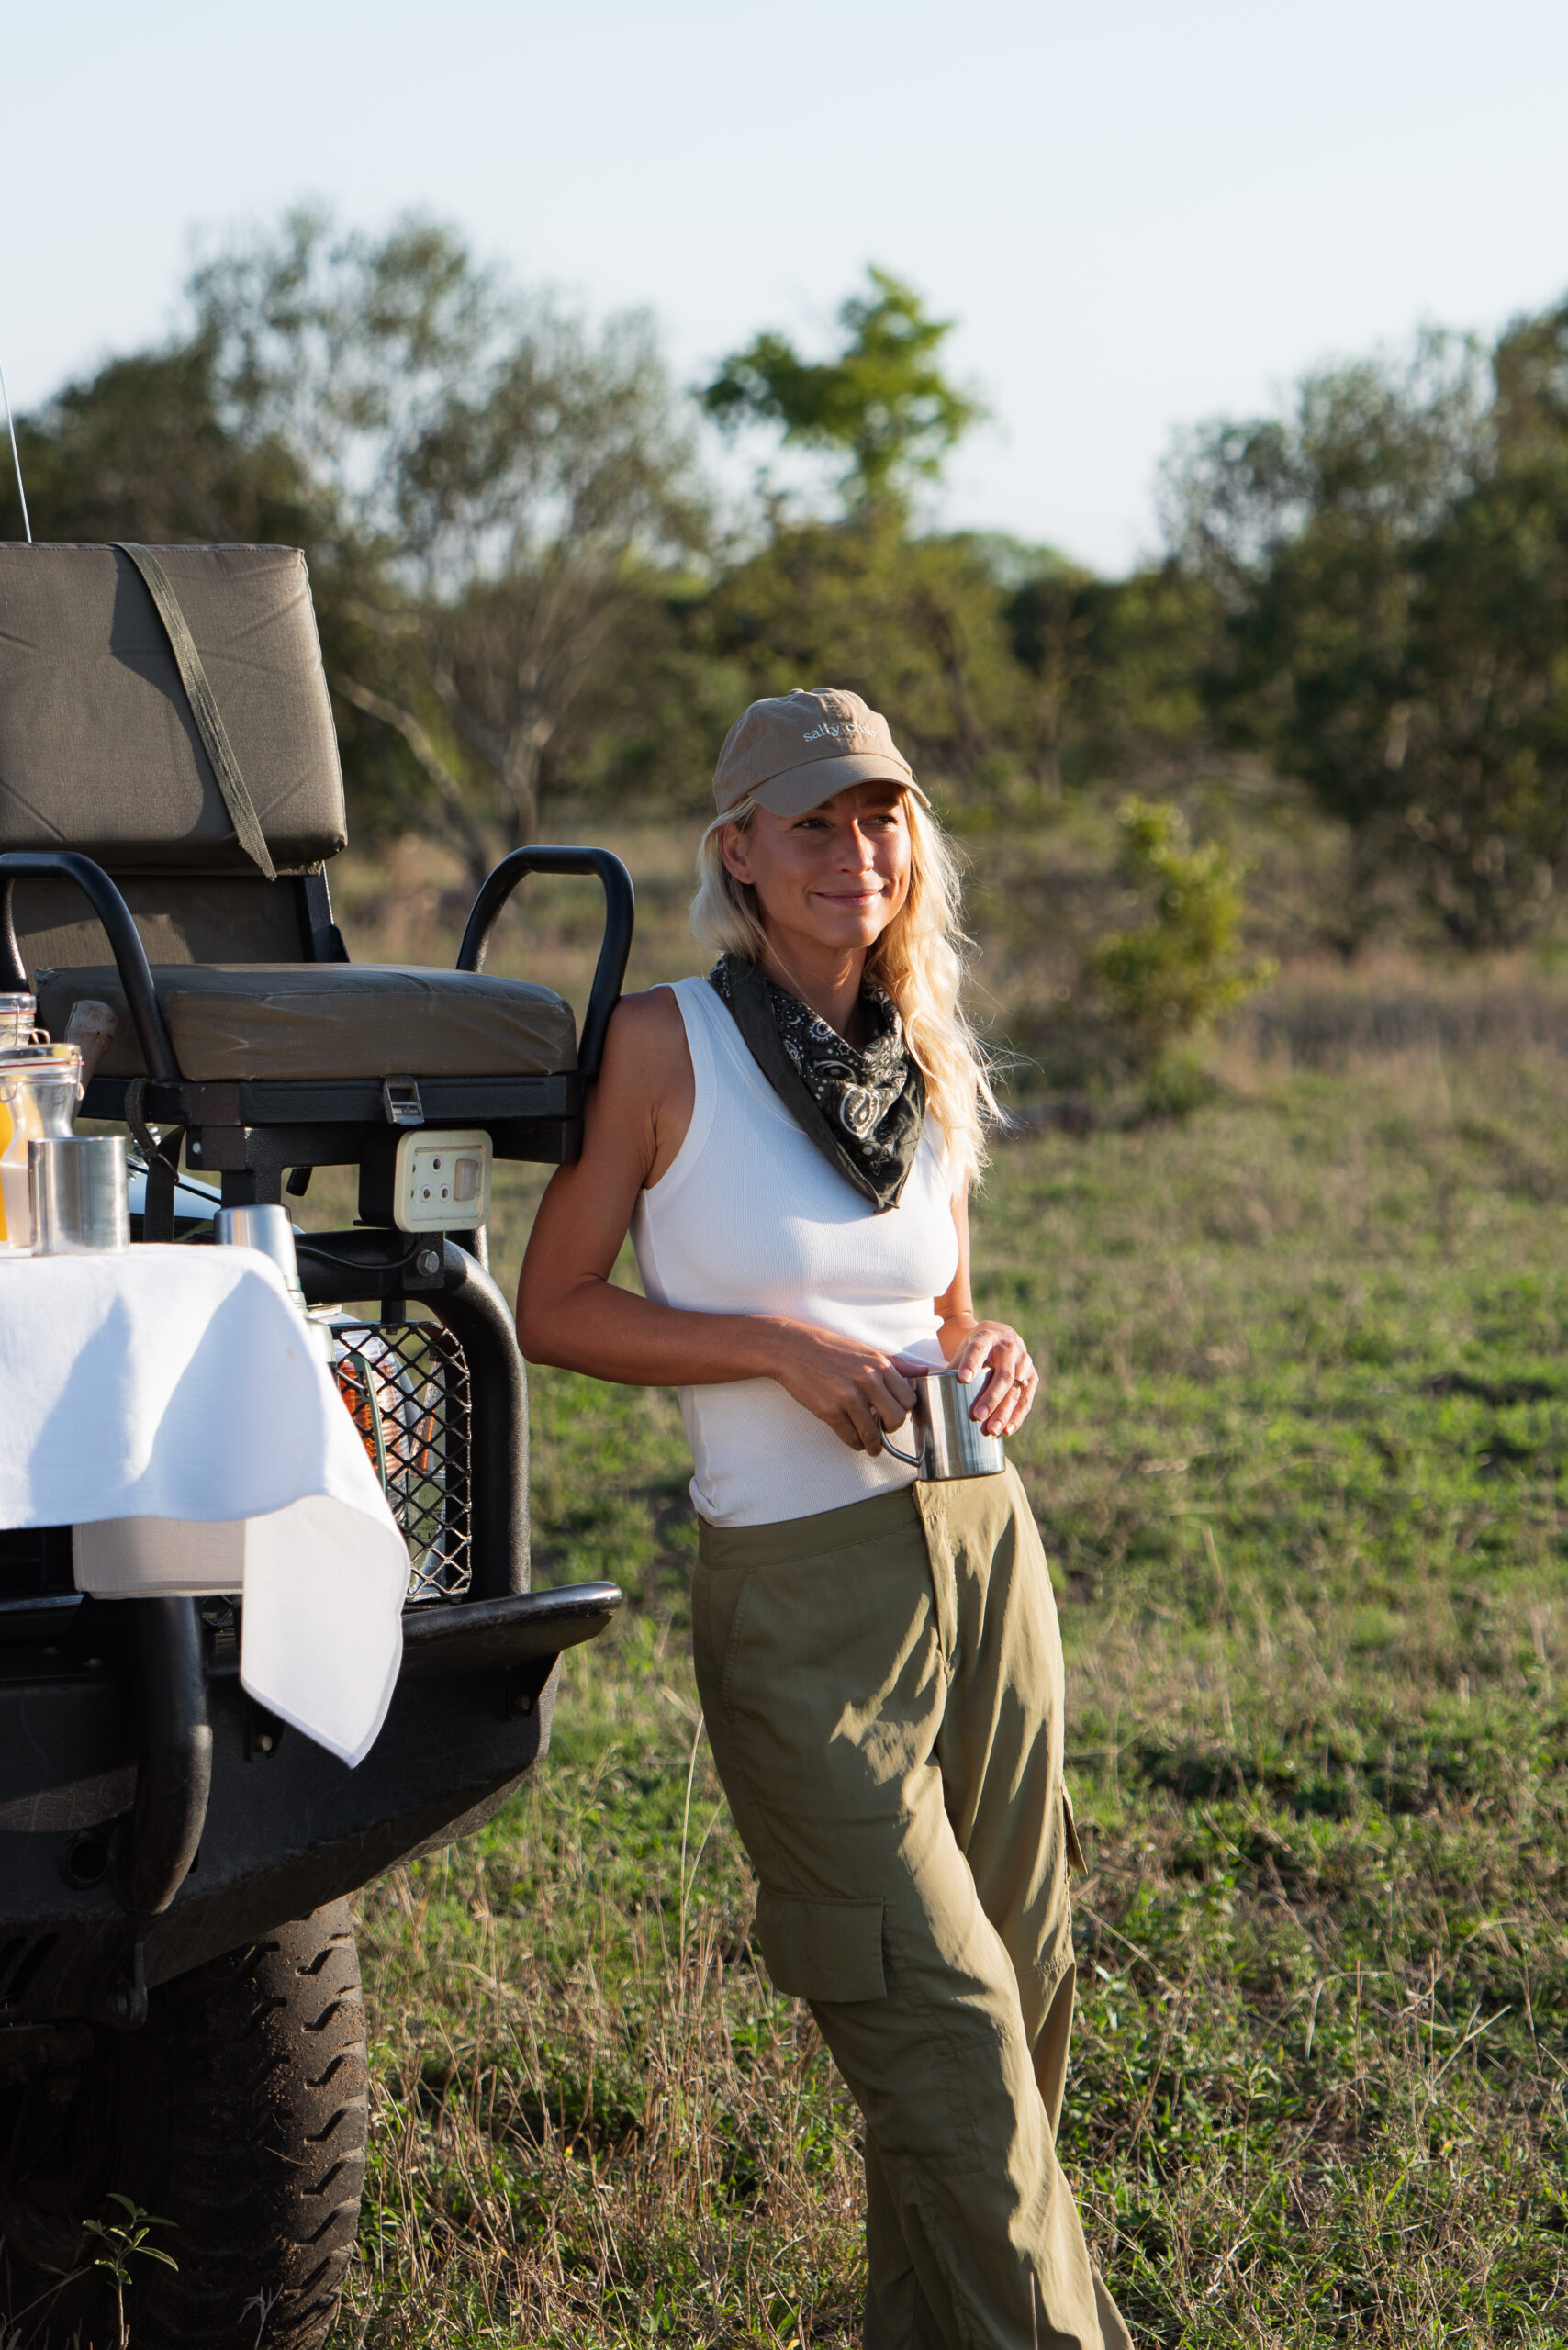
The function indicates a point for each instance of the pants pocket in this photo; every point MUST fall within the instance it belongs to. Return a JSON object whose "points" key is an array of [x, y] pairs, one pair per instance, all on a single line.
{"points": [[1075, 1859], [732, 1645], [830, 1951]]}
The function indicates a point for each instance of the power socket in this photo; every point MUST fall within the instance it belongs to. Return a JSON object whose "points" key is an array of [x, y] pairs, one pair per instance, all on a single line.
{"points": [[441, 1181]]}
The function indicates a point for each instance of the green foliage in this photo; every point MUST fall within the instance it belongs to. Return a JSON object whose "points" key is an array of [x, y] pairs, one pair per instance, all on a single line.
{"points": [[916, 625], [882, 402], [518, 589], [1393, 563], [142, 452], [122, 2242], [499, 507], [1115, 670], [525, 486], [1168, 981], [126, 2240]]}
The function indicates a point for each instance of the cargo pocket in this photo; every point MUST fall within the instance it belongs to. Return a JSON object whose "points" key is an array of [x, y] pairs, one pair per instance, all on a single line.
{"points": [[1075, 1859], [830, 1951]]}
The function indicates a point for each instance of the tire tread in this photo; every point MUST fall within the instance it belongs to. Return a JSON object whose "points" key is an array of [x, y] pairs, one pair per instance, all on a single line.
{"points": [[264, 2135]]}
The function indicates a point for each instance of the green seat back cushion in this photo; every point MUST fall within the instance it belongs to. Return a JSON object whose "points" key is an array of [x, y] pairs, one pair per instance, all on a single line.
{"points": [[98, 748]]}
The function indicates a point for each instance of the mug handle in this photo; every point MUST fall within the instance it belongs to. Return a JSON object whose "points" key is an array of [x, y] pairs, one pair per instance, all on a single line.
{"points": [[915, 1459]]}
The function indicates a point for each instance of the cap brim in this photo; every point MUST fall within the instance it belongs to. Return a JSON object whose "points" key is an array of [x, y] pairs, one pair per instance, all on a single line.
{"points": [[798, 788]]}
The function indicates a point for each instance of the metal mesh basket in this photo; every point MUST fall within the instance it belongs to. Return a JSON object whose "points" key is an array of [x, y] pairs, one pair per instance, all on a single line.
{"points": [[406, 1384]]}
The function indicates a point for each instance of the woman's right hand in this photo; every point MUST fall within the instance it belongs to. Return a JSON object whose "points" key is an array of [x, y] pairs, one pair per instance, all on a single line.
{"points": [[852, 1388]]}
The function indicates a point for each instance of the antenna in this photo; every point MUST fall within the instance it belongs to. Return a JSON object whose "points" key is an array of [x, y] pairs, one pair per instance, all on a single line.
{"points": [[16, 460]]}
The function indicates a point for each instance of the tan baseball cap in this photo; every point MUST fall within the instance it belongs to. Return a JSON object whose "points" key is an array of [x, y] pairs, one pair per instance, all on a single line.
{"points": [[793, 750]]}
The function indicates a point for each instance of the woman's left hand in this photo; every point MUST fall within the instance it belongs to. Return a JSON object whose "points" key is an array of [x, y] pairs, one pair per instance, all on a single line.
{"points": [[1003, 1405]]}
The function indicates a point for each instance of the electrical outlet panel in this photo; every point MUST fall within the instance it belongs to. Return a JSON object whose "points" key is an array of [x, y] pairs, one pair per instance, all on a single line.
{"points": [[442, 1181]]}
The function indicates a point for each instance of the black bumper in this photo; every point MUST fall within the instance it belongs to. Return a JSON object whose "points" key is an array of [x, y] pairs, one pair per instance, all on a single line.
{"points": [[286, 1826]]}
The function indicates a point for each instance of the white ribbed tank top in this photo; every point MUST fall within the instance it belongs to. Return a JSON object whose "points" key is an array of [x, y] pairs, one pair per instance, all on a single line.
{"points": [[750, 1218]]}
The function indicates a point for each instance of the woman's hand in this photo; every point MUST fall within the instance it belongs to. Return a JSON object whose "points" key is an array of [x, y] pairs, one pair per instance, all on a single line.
{"points": [[1003, 1404], [852, 1388]]}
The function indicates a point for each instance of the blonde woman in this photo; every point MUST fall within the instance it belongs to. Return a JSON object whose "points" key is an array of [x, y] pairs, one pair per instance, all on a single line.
{"points": [[790, 1143]]}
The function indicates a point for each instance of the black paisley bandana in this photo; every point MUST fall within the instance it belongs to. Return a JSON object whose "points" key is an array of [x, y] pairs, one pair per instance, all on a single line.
{"points": [[862, 1109]]}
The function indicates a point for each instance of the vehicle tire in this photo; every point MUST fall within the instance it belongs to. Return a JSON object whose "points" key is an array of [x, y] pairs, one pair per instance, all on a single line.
{"points": [[238, 2117]]}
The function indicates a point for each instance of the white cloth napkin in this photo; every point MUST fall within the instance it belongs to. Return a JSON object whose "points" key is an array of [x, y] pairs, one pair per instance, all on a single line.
{"points": [[181, 1384]]}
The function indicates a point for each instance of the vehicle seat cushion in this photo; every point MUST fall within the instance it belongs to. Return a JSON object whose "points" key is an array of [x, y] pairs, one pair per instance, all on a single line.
{"points": [[98, 749], [327, 1020]]}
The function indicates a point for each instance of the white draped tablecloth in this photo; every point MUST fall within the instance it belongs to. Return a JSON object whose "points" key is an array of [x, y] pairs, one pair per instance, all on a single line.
{"points": [[171, 1404]]}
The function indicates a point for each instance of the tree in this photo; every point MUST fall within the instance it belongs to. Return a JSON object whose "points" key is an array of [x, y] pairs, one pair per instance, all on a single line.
{"points": [[882, 402], [912, 623], [1479, 743], [1392, 563], [513, 491], [140, 452], [915, 625]]}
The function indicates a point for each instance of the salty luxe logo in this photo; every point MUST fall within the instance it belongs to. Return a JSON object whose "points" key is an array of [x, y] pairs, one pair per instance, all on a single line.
{"points": [[849, 728]]}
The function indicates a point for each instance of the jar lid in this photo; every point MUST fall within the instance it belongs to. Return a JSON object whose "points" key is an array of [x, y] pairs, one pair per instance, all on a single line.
{"points": [[41, 1064], [30, 1055]]}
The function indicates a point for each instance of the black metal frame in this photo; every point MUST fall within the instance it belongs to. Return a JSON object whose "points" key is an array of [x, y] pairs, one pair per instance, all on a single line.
{"points": [[248, 1133]]}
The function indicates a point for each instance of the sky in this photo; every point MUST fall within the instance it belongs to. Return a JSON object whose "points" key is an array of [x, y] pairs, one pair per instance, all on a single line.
{"points": [[1140, 215]]}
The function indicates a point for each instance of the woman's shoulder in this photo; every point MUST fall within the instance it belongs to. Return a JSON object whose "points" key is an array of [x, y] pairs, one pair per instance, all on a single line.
{"points": [[644, 1030], [661, 1018], [653, 1035]]}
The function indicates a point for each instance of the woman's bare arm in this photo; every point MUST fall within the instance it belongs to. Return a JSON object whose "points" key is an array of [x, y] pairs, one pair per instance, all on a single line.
{"points": [[570, 1312]]}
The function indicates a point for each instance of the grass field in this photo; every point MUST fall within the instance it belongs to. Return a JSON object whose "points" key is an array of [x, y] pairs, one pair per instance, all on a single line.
{"points": [[1299, 1463]]}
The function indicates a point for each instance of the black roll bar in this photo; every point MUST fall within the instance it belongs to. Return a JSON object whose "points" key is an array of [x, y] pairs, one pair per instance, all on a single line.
{"points": [[125, 943], [620, 910]]}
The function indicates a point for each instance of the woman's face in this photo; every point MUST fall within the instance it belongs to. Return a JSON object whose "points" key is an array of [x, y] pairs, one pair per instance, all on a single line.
{"points": [[837, 876]]}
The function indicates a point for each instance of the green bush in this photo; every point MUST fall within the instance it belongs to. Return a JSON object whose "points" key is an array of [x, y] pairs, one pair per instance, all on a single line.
{"points": [[1164, 984]]}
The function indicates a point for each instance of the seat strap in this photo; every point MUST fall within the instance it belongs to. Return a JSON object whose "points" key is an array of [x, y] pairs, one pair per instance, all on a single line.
{"points": [[204, 707], [162, 1157]]}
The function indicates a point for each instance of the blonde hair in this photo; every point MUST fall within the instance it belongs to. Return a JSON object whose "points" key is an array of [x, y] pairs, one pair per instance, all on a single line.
{"points": [[919, 962]]}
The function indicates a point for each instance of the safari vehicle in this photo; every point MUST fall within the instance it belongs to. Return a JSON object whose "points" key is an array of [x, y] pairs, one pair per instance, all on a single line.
{"points": [[181, 2023]]}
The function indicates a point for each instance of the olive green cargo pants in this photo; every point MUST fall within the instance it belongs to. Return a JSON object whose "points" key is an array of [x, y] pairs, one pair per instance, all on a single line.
{"points": [[883, 1692]]}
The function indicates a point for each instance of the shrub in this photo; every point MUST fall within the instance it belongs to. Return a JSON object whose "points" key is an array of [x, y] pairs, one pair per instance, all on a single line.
{"points": [[1163, 985]]}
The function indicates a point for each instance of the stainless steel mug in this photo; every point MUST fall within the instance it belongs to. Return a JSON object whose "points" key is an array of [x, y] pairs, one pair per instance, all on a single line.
{"points": [[78, 1194], [949, 1445], [268, 1229]]}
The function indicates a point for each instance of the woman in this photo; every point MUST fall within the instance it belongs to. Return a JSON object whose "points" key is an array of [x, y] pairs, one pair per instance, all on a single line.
{"points": [[790, 1143]]}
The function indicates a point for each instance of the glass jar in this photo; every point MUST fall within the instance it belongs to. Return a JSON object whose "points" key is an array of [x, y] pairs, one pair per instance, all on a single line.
{"points": [[18, 1016], [40, 1088]]}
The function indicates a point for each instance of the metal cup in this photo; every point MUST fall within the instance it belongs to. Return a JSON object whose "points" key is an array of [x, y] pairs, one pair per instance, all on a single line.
{"points": [[949, 1444], [268, 1229], [76, 1188]]}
